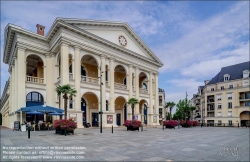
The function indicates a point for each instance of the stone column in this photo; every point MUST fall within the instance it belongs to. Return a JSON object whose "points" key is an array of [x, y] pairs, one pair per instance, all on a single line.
{"points": [[112, 84], [103, 70], [137, 90], [21, 75], [150, 93], [64, 63], [156, 103], [130, 86], [53, 79], [77, 76], [48, 80]]}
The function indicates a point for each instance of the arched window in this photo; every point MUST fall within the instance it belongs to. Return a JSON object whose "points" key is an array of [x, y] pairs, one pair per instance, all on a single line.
{"points": [[34, 99]]}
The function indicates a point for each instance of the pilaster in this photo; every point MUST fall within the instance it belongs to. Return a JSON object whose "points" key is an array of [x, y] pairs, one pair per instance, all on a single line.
{"points": [[156, 103], [64, 63], [150, 94], [21, 75]]}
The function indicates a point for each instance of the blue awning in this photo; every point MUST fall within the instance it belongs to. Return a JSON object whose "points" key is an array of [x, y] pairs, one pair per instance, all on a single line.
{"points": [[41, 108]]}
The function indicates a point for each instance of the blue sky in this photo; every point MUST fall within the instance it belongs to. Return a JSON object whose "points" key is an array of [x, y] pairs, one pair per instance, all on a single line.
{"points": [[193, 39]]}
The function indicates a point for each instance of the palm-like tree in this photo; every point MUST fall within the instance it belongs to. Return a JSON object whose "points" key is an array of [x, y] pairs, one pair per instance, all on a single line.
{"points": [[132, 102], [170, 105], [67, 92]]}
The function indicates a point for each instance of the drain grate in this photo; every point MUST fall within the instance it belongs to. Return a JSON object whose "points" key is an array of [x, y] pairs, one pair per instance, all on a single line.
{"points": [[42, 135]]}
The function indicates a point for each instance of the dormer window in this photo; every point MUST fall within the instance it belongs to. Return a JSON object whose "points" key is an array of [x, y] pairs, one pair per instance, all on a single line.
{"points": [[245, 73], [226, 77]]}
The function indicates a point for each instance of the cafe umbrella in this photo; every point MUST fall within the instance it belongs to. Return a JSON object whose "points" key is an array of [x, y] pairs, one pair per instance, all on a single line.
{"points": [[34, 113]]}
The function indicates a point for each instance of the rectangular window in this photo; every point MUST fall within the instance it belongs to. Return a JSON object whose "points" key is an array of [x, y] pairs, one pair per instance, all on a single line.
{"points": [[70, 103], [219, 97], [247, 103], [229, 96], [230, 122], [231, 87], [229, 113], [219, 122], [212, 89], [219, 106], [229, 105], [222, 87], [226, 78], [219, 114]]}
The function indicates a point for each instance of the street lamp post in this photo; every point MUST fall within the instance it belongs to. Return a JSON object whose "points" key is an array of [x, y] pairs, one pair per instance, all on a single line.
{"points": [[101, 99]]}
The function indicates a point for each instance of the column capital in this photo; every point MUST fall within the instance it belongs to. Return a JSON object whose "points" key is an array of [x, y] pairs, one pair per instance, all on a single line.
{"points": [[156, 73], [103, 56], [130, 65], [112, 59], [47, 55], [76, 47], [21, 48], [64, 43], [137, 67]]}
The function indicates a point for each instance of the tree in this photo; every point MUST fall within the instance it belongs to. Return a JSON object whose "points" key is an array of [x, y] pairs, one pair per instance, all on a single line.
{"points": [[133, 102], [170, 105], [181, 108], [168, 116], [67, 92]]}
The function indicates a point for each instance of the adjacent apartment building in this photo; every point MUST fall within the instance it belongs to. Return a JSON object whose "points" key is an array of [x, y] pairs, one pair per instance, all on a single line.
{"points": [[76, 52], [225, 99]]}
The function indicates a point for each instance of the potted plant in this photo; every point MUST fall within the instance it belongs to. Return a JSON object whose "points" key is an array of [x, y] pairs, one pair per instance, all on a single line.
{"points": [[170, 123], [195, 123], [64, 125], [132, 124], [23, 127]]}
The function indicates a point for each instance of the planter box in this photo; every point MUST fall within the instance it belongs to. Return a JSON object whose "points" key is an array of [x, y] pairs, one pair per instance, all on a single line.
{"points": [[168, 126], [61, 131], [132, 128], [23, 128]]}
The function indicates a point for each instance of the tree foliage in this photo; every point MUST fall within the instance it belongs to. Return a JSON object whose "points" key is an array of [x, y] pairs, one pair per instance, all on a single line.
{"points": [[133, 102]]}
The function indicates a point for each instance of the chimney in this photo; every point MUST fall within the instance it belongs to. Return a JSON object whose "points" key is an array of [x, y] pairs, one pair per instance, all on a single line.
{"points": [[206, 82], [40, 29]]}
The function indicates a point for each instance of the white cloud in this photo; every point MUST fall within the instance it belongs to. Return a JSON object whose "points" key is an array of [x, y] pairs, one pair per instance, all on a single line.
{"points": [[208, 38]]}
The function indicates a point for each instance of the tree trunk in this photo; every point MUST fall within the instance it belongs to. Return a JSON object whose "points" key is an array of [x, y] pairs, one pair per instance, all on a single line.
{"points": [[65, 97], [170, 113], [133, 111]]}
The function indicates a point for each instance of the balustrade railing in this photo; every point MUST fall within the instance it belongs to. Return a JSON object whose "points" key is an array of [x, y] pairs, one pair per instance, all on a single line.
{"points": [[120, 86], [34, 79], [89, 79], [70, 76]]}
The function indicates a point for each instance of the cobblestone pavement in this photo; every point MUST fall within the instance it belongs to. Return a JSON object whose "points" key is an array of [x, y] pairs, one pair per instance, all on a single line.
{"points": [[153, 144]]}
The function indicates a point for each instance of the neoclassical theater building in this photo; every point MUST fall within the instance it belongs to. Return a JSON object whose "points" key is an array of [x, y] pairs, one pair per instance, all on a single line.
{"points": [[76, 52]]}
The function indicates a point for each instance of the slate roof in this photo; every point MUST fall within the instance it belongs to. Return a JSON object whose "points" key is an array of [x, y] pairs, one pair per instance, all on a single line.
{"points": [[235, 72]]}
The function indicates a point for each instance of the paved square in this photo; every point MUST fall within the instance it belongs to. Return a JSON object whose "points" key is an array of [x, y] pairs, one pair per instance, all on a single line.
{"points": [[153, 144]]}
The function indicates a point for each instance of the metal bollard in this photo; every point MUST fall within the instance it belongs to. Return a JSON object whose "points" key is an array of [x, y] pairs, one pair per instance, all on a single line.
{"points": [[65, 131], [112, 129], [142, 128], [178, 126], [29, 132], [238, 125], [162, 126]]}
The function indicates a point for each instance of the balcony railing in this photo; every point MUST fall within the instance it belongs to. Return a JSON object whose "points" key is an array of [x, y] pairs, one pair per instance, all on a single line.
{"points": [[120, 86], [145, 91], [34, 79], [89, 79], [210, 109], [70, 76]]}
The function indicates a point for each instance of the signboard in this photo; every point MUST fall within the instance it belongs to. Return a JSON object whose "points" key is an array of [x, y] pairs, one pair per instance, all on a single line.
{"points": [[16, 125], [135, 117], [154, 119], [73, 117], [109, 119]]}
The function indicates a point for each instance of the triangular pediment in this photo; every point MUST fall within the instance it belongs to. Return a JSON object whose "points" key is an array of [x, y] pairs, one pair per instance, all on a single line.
{"points": [[119, 33]]}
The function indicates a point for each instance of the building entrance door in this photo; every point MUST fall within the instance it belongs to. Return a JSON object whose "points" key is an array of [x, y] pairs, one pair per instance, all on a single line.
{"points": [[118, 119], [145, 114], [95, 120]]}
